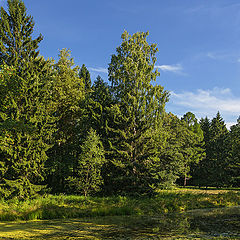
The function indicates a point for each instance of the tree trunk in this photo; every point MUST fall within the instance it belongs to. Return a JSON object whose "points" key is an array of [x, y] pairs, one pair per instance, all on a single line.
{"points": [[185, 181]]}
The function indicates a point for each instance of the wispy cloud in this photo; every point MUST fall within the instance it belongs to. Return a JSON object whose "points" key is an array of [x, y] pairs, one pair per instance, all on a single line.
{"points": [[208, 103], [213, 55], [195, 9], [213, 8], [230, 56], [98, 69], [177, 68], [221, 55]]}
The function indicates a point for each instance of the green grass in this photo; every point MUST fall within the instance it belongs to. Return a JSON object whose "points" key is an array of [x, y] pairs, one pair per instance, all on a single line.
{"points": [[166, 201]]}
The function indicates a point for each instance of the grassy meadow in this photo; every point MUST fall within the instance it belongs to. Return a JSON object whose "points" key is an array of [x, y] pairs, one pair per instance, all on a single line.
{"points": [[165, 201]]}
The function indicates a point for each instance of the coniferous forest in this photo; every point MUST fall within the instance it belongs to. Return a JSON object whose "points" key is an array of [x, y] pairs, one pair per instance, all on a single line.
{"points": [[63, 132]]}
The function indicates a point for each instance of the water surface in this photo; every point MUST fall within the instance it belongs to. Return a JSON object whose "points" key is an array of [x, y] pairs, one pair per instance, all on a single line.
{"points": [[221, 223]]}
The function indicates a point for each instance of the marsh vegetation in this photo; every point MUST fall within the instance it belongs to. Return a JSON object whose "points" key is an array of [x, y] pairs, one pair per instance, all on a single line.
{"points": [[199, 224], [173, 214]]}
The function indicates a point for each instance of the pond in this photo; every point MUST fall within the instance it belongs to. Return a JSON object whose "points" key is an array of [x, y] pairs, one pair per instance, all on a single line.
{"points": [[221, 223]]}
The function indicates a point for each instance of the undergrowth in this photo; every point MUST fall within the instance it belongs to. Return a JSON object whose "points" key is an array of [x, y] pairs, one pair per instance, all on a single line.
{"points": [[63, 206]]}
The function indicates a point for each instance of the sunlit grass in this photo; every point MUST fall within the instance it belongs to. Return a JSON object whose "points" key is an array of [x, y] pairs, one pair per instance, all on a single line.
{"points": [[165, 201]]}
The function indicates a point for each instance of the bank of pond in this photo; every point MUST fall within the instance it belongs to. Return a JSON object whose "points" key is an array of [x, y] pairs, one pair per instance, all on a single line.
{"points": [[170, 214]]}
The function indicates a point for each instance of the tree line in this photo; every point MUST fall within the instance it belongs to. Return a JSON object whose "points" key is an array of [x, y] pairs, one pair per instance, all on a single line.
{"points": [[62, 133]]}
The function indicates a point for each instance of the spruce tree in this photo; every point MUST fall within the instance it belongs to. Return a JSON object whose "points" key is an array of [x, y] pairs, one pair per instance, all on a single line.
{"points": [[88, 177], [26, 106], [192, 144], [138, 107], [17, 45], [85, 75], [68, 94], [97, 106], [218, 163], [232, 145], [201, 171], [212, 169], [27, 122]]}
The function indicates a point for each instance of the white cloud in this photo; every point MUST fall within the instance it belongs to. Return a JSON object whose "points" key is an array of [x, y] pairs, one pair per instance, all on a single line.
{"points": [[222, 56], [229, 56], [177, 68], [208, 103], [229, 124], [98, 69], [166, 68], [213, 55], [214, 9]]}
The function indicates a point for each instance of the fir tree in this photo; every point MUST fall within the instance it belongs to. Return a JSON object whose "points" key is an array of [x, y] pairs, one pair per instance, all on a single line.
{"points": [[85, 75], [26, 106], [97, 107], [212, 170], [218, 164], [138, 107], [192, 144], [68, 94], [27, 124], [88, 176], [201, 171], [16, 28], [232, 145]]}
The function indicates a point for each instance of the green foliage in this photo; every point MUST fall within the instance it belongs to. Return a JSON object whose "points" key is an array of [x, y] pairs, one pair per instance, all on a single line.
{"points": [[68, 93], [168, 163], [26, 113], [218, 163], [212, 171], [232, 143], [62, 206], [201, 171], [193, 150], [90, 162], [96, 110], [85, 75], [177, 147], [27, 124], [59, 129], [16, 43], [138, 106]]}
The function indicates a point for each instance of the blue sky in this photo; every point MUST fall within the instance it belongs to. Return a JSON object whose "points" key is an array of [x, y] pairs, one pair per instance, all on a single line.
{"points": [[198, 42]]}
